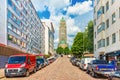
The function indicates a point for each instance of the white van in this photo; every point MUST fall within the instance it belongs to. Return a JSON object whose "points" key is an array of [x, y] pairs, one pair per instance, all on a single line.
{"points": [[85, 61]]}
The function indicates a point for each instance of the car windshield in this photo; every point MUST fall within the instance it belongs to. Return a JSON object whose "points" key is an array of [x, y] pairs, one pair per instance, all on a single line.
{"points": [[17, 60], [100, 62], [40, 60]]}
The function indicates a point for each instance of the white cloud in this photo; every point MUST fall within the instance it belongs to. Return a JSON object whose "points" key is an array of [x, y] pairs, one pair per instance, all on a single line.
{"points": [[56, 40], [80, 8], [40, 4], [55, 7]]}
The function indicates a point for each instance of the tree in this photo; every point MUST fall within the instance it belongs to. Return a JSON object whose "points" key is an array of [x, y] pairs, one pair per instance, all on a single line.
{"points": [[90, 36], [60, 50], [66, 50], [77, 47]]}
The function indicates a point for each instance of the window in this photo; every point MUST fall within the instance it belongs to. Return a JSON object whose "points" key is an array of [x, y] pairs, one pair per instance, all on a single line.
{"points": [[15, 30], [94, 9], [107, 23], [101, 43], [10, 37], [9, 26], [9, 14], [14, 40], [94, 21], [98, 1], [107, 6], [101, 27], [95, 34], [112, 1], [18, 41], [119, 12], [95, 47], [113, 38], [113, 18], [18, 32], [100, 11], [9, 2], [107, 41]]}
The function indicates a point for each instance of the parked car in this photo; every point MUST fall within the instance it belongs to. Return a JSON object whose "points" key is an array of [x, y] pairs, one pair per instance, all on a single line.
{"points": [[84, 62], [69, 56], [43, 62], [20, 65], [39, 63], [100, 67], [47, 62], [80, 64], [51, 60], [76, 63], [115, 76], [73, 61], [72, 58]]}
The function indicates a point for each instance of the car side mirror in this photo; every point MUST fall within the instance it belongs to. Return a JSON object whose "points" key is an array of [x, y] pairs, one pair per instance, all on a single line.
{"points": [[89, 64]]}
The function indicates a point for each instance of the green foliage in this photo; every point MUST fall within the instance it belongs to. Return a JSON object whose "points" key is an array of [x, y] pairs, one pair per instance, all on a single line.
{"points": [[46, 56], [77, 47], [66, 51], [88, 37], [83, 41], [60, 50]]}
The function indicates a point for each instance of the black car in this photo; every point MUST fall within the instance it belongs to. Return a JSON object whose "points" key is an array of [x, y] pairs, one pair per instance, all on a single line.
{"points": [[40, 63]]}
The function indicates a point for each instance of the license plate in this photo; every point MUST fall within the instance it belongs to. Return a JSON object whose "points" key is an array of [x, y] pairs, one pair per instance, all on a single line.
{"points": [[13, 73]]}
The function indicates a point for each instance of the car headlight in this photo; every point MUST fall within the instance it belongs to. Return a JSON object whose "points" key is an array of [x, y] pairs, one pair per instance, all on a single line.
{"points": [[6, 65], [23, 65]]}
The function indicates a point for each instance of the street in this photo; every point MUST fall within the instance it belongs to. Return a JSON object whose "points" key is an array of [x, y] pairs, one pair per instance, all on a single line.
{"points": [[61, 69]]}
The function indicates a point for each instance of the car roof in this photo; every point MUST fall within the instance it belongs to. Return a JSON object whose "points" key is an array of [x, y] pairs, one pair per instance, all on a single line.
{"points": [[21, 55]]}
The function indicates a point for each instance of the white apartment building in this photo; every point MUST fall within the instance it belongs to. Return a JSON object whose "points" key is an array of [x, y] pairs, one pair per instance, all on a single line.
{"points": [[106, 29], [49, 37], [20, 26]]}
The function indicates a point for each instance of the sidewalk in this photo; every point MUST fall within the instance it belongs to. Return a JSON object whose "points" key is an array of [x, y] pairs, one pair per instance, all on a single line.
{"points": [[2, 73]]}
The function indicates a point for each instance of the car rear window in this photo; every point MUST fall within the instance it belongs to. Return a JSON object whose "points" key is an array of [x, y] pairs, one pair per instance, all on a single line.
{"points": [[100, 62]]}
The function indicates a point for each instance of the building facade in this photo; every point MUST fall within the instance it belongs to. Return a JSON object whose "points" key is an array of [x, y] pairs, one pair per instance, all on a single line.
{"points": [[20, 26], [106, 29], [63, 34], [49, 37]]}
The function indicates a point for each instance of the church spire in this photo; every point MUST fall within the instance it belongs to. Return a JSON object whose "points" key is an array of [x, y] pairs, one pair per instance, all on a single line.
{"points": [[62, 19]]}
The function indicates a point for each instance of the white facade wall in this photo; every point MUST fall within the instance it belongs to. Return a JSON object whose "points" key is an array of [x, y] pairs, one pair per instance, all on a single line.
{"points": [[3, 19], [113, 28], [20, 26], [46, 39], [49, 37]]}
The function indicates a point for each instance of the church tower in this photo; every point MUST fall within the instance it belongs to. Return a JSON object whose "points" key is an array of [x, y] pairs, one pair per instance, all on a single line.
{"points": [[63, 34]]}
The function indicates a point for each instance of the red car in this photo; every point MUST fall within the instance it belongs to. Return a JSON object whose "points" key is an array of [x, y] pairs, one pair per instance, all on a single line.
{"points": [[20, 65]]}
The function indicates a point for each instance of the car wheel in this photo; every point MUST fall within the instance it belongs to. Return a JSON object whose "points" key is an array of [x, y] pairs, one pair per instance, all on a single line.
{"points": [[27, 73], [93, 74], [87, 71], [40, 67], [34, 70], [7, 76], [109, 78]]}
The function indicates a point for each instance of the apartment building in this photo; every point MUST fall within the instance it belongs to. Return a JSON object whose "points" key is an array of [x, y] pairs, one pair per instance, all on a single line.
{"points": [[106, 29], [49, 37], [20, 26]]}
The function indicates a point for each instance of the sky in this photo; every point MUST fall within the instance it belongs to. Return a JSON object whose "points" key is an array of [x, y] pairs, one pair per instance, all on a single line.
{"points": [[77, 14]]}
